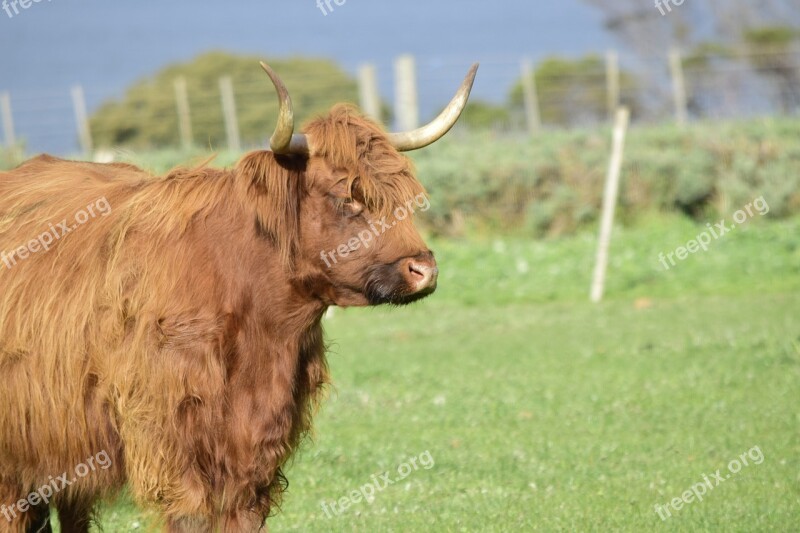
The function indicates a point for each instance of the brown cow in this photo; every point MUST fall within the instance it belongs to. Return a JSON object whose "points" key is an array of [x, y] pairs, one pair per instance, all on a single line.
{"points": [[164, 332]]}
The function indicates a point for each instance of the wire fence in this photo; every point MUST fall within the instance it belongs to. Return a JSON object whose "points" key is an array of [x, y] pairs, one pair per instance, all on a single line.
{"points": [[738, 85]]}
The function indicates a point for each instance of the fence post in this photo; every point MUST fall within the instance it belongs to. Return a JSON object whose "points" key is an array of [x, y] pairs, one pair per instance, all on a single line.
{"points": [[82, 119], [612, 83], [678, 87], [610, 203], [229, 109], [532, 114], [368, 91], [8, 120], [184, 115], [406, 102]]}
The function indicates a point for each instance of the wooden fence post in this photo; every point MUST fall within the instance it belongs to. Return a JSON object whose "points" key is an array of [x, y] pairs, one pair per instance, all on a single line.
{"points": [[229, 109], [532, 114], [368, 91], [678, 87], [612, 83], [406, 100], [610, 203], [82, 120], [8, 120], [184, 114]]}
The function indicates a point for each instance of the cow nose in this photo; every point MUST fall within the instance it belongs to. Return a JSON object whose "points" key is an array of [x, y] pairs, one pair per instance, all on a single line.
{"points": [[422, 272]]}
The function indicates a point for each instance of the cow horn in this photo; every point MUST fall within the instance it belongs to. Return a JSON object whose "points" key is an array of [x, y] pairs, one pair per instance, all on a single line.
{"points": [[284, 140], [426, 135]]}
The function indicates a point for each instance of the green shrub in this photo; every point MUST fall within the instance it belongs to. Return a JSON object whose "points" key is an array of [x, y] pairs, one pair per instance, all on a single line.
{"points": [[10, 156], [553, 184]]}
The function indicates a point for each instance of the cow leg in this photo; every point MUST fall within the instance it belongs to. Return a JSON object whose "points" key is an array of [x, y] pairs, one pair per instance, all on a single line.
{"points": [[74, 518], [29, 522], [39, 520], [237, 523], [36, 519], [11, 519], [188, 525], [244, 523]]}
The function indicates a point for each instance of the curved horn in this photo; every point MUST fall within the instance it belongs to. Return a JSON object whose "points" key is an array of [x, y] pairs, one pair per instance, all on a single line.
{"points": [[426, 135], [284, 141]]}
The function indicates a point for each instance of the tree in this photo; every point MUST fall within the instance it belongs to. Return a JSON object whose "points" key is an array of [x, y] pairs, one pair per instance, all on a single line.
{"points": [[483, 115], [146, 116], [770, 52], [711, 77], [647, 31], [721, 41]]}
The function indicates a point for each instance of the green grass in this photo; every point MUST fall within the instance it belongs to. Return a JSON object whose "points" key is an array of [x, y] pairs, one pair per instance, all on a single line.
{"points": [[544, 412]]}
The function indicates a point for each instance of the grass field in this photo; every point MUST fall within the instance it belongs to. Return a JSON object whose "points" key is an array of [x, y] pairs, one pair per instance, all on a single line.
{"points": [[542, 412]]}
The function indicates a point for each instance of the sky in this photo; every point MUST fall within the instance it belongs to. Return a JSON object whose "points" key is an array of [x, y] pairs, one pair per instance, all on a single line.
{"points": [[106, 45]]}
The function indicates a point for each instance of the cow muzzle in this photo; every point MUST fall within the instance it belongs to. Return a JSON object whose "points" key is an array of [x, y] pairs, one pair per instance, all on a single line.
{"points": [[404, 281], [421, 273]]}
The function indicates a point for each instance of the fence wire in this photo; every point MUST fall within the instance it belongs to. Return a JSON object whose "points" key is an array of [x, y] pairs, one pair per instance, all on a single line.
{"points": [[740, 85]]}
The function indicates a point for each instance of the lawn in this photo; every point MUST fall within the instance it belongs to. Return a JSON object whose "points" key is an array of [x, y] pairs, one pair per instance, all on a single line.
{"points": [[528, 409]]}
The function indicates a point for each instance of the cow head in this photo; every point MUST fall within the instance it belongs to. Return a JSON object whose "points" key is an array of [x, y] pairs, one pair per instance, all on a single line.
{"points": [[342, 199]]}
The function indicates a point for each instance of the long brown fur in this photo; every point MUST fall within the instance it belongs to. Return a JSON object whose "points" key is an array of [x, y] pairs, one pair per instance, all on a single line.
{"points": [[176, 333]]}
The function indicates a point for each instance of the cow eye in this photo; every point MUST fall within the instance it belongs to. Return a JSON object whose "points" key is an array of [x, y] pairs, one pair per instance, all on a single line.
{"points": [[348, 207]]}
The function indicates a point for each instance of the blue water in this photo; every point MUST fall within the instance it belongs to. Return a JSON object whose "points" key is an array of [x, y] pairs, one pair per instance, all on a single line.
{"points": [[105, 45]]}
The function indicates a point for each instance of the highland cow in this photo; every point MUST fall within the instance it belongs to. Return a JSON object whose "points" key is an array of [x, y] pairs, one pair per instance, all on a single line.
{"points": [[167, 330]]}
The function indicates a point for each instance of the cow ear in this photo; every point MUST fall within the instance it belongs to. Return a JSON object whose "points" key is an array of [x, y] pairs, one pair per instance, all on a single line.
{"points": [[272, 185]]}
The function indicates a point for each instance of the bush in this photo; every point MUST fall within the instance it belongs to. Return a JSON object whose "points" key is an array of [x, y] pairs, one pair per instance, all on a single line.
{"points": [[553, 184], [10, 157]]}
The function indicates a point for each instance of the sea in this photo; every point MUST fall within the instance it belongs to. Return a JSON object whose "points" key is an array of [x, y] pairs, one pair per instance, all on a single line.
{"points": [[104, 46]]}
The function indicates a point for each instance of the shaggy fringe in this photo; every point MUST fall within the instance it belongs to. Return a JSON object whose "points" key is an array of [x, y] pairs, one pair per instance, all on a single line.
{"points": [[384, 177]]}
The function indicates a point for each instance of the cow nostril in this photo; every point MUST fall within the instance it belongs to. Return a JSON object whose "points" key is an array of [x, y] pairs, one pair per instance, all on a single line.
{"points": [[421, 275], [415, 269]]}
